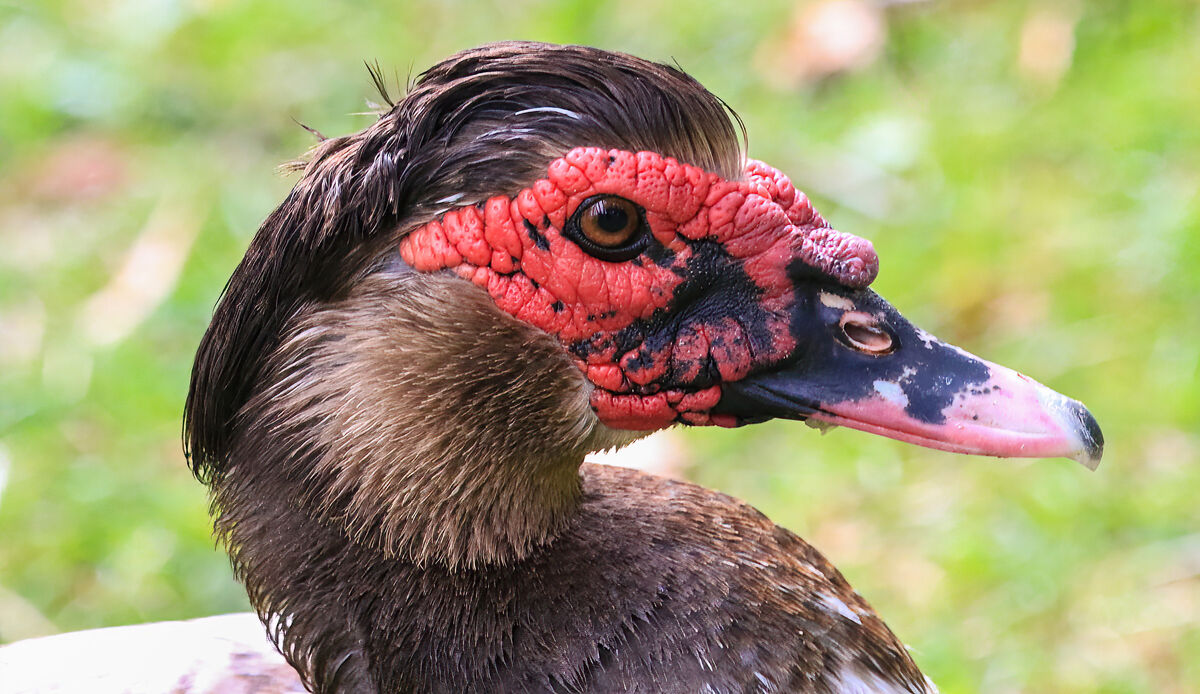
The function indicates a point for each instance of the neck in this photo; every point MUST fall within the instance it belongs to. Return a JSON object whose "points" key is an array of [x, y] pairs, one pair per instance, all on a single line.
{"points": [[422, 422]]}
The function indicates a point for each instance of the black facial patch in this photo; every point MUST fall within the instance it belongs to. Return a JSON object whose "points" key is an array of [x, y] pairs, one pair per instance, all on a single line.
{"points": [[822, 371], [717, 303]]}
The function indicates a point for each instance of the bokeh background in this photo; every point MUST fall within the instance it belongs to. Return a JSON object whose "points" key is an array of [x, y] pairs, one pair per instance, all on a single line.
{"points": [[1027, 170]]}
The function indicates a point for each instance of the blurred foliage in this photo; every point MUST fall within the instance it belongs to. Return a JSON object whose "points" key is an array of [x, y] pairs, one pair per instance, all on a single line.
{"points": [[1027, 170]]}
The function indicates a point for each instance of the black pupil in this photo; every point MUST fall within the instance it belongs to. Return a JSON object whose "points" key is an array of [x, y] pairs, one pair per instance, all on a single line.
{"points": [[610, 218]]}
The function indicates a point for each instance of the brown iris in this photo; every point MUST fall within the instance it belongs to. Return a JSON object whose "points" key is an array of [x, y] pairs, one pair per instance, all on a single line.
{"points": [[609, 222], [608, 227]]}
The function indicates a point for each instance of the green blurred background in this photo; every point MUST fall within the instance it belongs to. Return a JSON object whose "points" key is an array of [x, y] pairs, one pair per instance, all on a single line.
{"points": [[1027, 170]]}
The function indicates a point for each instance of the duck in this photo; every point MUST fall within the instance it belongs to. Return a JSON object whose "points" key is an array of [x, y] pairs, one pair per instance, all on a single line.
{"points": [[542, 251]]}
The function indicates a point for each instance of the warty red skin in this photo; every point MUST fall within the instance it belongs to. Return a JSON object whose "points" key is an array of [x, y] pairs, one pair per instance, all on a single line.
{"points": [[514, 247]]}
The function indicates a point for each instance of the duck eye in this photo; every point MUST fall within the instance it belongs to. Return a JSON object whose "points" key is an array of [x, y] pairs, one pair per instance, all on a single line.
{"points": [[609, 227], [609, 222]]}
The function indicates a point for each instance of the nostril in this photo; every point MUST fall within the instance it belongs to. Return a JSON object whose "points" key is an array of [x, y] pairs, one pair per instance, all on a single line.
{"points": [[864, 334]]}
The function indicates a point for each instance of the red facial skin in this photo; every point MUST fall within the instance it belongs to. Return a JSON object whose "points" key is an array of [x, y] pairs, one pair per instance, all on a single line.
{"points": [[706, 303]]}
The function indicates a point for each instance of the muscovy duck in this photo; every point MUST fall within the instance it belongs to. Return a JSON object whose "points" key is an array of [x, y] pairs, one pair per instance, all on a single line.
{"points": [[539, 252]]}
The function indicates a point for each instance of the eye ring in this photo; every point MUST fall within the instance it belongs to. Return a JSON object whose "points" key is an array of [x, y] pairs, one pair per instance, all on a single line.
{"points": [[609, 227]]}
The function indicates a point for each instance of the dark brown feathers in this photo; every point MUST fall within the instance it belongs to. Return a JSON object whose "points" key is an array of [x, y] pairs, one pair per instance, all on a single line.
{"points": [[393, 413], [652, 586]]}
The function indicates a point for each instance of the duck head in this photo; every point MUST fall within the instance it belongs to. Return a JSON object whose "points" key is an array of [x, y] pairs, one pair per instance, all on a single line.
{"points": [[686, 297], [538, 252]]}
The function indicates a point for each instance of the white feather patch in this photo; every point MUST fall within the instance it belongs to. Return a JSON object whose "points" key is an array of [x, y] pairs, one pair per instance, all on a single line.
{"points": [[854, 680], [838, 606]]}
